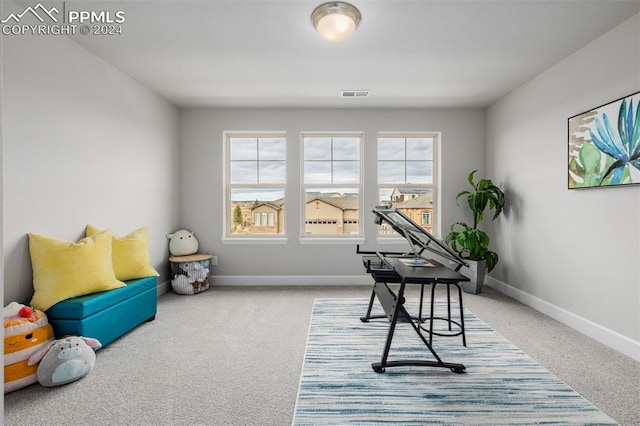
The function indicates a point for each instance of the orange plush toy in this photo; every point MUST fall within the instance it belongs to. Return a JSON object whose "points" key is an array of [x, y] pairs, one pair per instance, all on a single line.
{"points": [[25, 331]]}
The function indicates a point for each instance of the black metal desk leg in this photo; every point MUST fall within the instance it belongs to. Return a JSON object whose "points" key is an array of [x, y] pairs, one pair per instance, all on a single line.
{"points": [[378, 367], [433, 298], [421, 300], [368, 315], [464, 335], [449, 305]]}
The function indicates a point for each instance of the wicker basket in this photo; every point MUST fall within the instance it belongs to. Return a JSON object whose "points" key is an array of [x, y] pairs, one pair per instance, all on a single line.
{"points": [[190, 274]]}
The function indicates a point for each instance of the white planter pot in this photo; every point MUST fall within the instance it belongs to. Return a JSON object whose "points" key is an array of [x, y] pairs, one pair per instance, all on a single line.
{"points": [[476, 273]]}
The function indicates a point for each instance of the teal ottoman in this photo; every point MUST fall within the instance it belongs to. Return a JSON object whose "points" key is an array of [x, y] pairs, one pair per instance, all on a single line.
{"points": [[106, 315]]}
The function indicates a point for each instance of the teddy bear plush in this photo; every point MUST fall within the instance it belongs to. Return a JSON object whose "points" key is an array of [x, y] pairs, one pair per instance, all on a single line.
{"points": [[65, 360]]}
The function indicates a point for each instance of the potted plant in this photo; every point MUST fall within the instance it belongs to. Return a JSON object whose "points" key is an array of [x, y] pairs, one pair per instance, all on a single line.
{"points": [[471, 243]]}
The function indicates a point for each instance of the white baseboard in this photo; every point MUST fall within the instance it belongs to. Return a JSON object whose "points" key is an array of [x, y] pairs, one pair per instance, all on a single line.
{"points": [[587, 327], [282, 280], [164, 287]]}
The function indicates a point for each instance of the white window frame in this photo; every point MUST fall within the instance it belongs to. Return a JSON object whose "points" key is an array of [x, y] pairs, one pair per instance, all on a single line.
{"points": [[331, 238], [434, 186], [228, 237]]}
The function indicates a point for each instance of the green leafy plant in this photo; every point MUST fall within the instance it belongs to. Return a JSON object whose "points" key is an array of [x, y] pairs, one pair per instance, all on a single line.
{"points": [[469, 241], [237, 217]]}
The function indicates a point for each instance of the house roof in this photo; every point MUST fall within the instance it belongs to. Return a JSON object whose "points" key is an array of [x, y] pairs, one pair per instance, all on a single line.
{"points": [[276, 204], [343, 203], [420, 202], [411, 190]]}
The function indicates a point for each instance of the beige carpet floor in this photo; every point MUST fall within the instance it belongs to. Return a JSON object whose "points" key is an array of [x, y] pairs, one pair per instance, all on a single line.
{"points": [[233, 356]]}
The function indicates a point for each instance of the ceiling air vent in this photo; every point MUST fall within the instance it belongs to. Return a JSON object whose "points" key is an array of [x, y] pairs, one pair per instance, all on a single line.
{"points": [[352, 94]]}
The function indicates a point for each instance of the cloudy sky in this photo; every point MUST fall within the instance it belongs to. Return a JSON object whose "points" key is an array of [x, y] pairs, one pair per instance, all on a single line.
{"points": [[327, 161]]}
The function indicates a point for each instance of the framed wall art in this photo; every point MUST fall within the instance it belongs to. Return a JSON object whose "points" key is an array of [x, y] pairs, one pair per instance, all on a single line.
{"points": [[604, 145]]}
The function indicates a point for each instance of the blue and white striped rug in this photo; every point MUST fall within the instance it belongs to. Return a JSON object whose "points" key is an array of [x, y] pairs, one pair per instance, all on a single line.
{"points": [[501, 385]]}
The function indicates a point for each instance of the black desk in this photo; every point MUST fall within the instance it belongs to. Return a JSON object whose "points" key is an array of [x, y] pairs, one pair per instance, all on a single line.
{"points": [[386, 269]]}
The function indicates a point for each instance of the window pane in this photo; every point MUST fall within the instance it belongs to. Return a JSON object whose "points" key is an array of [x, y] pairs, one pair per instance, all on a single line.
{"points": [[244, 172], [272, 149], [332, 160], [426, 218], [417, 203], [251, 210], [317, 172], [391, 149], [243, 149], [346, 148], [391, 172], [419, 172], [406, 177], [419, 149], [272, 171], [332, 211], [317, 148], [385, 197], [346, 172], [257, 175]]}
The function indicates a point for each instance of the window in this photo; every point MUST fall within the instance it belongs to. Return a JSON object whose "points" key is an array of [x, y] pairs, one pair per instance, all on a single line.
{"points": [[407, 176], [426, 218], [256, 178], [331, 184]]}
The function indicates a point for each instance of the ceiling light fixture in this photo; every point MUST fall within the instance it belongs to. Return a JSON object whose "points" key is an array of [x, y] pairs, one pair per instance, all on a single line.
{"points": [[335, 20]]}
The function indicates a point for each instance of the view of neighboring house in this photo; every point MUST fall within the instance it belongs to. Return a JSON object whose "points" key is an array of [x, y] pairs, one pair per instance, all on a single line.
{"points": [[417, 204], [335, 214], [258, 217], [327, 214]]}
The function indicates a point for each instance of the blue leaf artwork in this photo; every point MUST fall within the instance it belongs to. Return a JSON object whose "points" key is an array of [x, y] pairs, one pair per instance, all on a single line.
{"points": [[604, 151]]}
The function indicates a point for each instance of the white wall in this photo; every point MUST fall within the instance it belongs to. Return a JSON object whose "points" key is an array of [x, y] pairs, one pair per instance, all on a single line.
{"points": [[201, 190], [83, 143], [573, 254]]}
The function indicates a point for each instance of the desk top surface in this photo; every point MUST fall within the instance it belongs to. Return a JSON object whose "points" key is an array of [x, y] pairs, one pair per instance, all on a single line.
{"points": [[425, 274]]}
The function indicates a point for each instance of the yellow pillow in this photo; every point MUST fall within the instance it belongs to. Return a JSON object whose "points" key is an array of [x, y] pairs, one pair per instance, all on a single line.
{"points": [[130, 254], [64, 269]]}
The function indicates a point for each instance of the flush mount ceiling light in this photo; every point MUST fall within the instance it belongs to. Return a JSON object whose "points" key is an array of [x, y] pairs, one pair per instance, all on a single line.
{"points": [[335, 20]]}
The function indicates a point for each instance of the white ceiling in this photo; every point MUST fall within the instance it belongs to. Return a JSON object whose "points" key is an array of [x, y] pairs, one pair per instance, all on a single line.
{"points": [[444, 53]]}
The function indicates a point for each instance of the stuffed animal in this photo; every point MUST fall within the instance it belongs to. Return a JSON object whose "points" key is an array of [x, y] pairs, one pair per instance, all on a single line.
{"points": [[182, 285], [192, 277], [65, 360], [25, 331], [182, 243], [196, 271]]}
